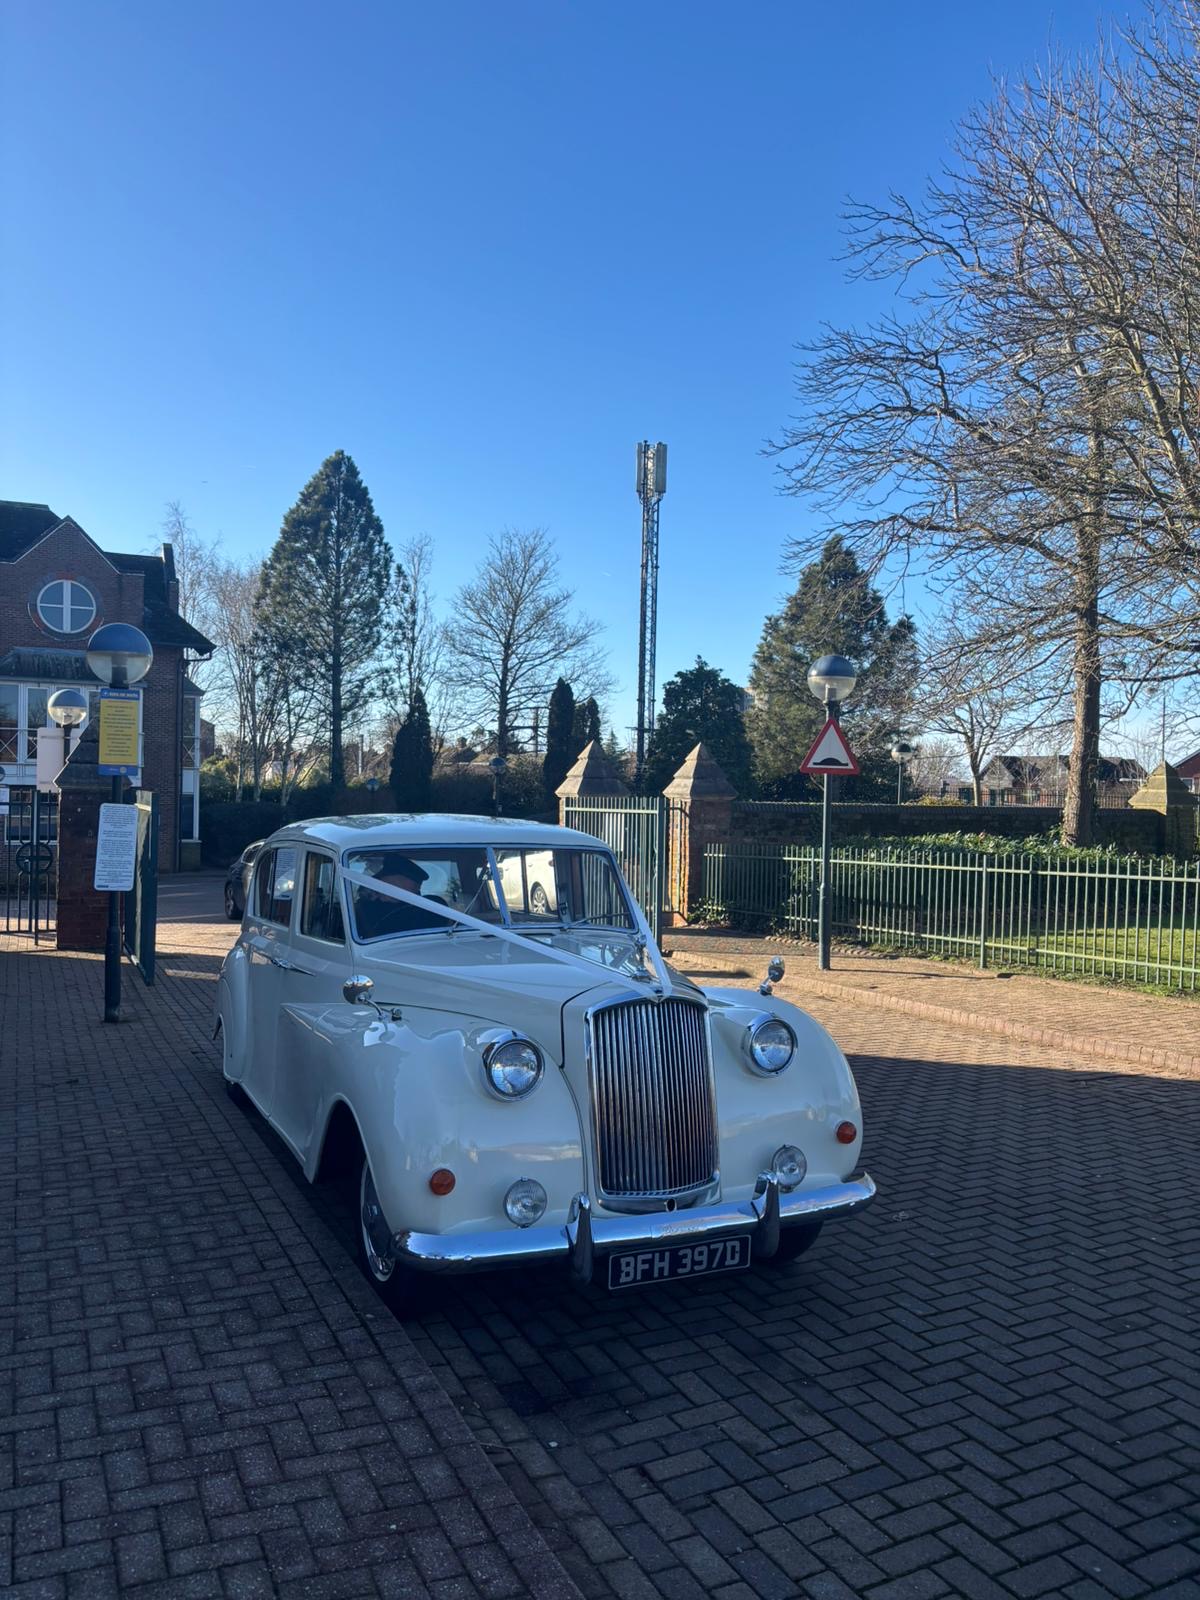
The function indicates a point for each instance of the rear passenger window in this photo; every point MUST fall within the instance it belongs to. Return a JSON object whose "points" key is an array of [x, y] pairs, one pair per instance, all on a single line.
{"points": [[321, 911], [275, 885]]}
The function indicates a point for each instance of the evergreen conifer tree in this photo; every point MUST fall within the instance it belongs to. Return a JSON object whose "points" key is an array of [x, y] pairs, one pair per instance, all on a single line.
{"points": [[700, 706], [560, 751], [323, 591], [833, 609], [412, 758], [586, 724]]}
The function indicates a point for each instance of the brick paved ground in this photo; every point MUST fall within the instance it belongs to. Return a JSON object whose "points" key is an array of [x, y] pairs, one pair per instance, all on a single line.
{"points": [[198, 1395], [983, 1387], [1126, 1025]]}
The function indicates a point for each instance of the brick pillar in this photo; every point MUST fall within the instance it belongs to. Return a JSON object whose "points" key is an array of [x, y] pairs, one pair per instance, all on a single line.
{"points": [[1165, 791], [82, 913], [593, 774], [704, 797]]}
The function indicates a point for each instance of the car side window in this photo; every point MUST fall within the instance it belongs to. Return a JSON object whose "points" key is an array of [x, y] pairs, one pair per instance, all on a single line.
{"points": [[321, 910], [283, 886], [264, 870]]}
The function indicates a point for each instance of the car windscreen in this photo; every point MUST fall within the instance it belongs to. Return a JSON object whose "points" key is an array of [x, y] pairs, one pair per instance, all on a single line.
{"points": [[562, 888], [458, 878]]}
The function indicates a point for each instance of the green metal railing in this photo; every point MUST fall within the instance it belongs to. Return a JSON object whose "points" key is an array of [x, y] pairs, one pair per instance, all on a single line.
{"points": [[1128, 918], [634, 829]]}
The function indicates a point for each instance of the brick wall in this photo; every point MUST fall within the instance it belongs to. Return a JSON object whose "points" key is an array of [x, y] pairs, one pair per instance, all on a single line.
{"points": [[69, 553]]}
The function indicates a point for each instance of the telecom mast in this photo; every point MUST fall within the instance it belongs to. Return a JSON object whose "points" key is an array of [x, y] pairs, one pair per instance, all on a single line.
{"points": [[651, 486]]}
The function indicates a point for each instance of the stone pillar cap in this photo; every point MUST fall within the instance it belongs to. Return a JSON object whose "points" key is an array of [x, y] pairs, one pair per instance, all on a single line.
{"points": [[1163, 788], [593, 773], [700, 777]]}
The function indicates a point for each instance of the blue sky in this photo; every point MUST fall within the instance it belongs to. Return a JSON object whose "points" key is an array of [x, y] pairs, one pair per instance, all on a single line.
{"points": [[483, 247]]}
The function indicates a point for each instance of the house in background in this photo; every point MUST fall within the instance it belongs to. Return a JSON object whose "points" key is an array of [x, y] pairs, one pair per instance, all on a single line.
{"points": [[57, 586], [1020, 780], [1189, 771]]}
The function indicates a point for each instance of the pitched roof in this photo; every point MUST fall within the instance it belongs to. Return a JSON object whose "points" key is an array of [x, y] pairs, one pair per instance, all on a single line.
{"points": [[23, 523]]}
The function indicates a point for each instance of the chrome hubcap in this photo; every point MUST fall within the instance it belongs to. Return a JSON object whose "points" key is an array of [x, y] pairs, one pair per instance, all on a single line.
{"points": [[370, 1219]]}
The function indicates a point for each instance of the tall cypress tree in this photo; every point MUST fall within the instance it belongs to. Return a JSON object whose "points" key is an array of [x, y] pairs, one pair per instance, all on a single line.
{"points": [[586, 724], [559, 729], [323, 590], [412, 758]]}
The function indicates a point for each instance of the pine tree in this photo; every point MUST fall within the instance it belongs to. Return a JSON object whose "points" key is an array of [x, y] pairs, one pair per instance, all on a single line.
{"points": [[559, 728], [700, 706], [323, 591], [834, 609], [412, 758]]}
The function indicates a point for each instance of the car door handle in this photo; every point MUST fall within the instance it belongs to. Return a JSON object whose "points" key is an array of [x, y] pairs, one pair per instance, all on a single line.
{"points": [[287, 966]]}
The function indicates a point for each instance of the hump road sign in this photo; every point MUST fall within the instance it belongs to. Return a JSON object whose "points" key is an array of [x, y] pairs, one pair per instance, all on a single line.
{"points": [[830, 755]]}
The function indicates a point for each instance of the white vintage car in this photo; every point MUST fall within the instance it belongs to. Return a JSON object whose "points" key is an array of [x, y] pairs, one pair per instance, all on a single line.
{"points": [[471, 1015]]}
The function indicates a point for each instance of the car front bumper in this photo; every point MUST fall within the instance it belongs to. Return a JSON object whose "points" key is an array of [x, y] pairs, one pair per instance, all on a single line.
{"points": [[587, 1236]]}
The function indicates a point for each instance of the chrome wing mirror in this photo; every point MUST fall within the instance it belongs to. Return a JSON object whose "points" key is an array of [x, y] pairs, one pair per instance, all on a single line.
{"points": [[356, 991], [775, 971]]}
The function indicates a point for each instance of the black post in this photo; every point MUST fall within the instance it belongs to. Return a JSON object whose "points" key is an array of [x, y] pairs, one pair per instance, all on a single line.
{"points": [[899, 779], [824, 901], [112, 943]]}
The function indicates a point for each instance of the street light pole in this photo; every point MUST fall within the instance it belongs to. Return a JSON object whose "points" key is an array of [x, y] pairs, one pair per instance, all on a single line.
{"points": [[830, 679]]}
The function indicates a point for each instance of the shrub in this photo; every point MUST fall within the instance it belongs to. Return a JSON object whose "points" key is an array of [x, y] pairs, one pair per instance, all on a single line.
{"points": [[228, 826]]}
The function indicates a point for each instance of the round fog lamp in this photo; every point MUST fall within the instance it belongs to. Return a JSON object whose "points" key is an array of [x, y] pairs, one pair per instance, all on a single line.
{"points": [[525, 1202], [789, 1166], [770, 1045], [513, 1067]]}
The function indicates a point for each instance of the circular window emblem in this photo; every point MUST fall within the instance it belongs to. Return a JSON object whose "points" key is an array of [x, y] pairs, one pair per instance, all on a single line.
{"points": [[66, 606]]}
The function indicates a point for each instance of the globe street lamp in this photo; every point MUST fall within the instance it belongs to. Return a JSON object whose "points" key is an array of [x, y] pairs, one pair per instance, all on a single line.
{"points": [[120, 655], [901, 753], [498, 766], [68, 708], [830, 679]]}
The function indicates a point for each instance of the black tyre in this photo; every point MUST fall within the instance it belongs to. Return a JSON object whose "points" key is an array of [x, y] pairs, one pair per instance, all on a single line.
{"points": [[395, 1284], [793, 1242], [232, 910]]}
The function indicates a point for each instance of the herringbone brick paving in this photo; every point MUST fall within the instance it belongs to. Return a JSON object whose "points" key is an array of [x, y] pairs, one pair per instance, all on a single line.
{"points": [[198, 1396], [985, 1386]]}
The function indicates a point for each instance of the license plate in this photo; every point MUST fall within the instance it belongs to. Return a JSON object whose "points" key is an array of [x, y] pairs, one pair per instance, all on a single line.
{"points": [[634, 1269]]}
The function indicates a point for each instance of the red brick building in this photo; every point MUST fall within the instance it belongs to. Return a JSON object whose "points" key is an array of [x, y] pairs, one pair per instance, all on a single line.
{"points": [[56, 588]]}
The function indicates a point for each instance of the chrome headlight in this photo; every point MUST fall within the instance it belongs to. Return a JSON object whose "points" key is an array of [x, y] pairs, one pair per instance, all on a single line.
{"points": [[512, 1066], [770, 1044], [789, 1165], [525, 1203]]}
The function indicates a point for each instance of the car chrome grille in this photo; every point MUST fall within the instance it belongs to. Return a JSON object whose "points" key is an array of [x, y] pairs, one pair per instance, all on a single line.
{"points": [[652, 1098]]}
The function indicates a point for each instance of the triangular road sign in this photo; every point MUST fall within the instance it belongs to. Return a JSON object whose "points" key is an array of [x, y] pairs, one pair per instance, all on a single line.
{"points": [[830, 755]]}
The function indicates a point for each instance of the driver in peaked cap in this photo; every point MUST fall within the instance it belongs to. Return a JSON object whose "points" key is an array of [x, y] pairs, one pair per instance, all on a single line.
{"points": [[378, 914]]}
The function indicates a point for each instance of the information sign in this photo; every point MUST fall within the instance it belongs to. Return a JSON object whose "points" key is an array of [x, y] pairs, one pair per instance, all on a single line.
{"points": [[116, 848], [119, 726]]}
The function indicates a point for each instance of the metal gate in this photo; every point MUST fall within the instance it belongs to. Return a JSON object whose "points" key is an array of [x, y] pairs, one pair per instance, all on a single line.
{"points": [[640, 830], [29, 861], [141, 903]]}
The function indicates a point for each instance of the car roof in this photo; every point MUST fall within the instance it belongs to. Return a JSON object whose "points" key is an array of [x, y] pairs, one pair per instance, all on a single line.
{"points": [[412, 829]]}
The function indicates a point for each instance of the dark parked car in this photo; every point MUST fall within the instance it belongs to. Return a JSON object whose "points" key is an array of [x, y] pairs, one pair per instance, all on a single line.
{"points": [[237, 881]]}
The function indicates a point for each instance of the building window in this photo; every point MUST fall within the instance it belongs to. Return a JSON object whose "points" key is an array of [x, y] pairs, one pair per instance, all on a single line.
{"points": [[66, 606]]}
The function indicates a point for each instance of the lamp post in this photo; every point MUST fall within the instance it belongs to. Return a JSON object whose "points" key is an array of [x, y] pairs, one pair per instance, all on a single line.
{"points": [[830, 680], [498, 766], [120, 655], [901, 753], [68, 708]]}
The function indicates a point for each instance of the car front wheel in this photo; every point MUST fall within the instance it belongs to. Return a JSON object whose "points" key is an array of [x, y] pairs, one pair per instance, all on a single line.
{"points": [[231, 906], [395, 1283]]}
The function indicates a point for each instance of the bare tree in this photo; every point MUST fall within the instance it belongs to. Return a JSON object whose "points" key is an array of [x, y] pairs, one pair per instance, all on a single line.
{"points": [[196, 563], [514, 634], [1023, 432], [415, 643], [936, 767], [987, 693]]}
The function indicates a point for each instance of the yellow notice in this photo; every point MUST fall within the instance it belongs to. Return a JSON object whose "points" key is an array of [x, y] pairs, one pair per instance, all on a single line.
{"points": [[119, 731]]}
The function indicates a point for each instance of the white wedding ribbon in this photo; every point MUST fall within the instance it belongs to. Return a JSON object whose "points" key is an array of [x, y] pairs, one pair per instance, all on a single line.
{"points": [[499, 931]]}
